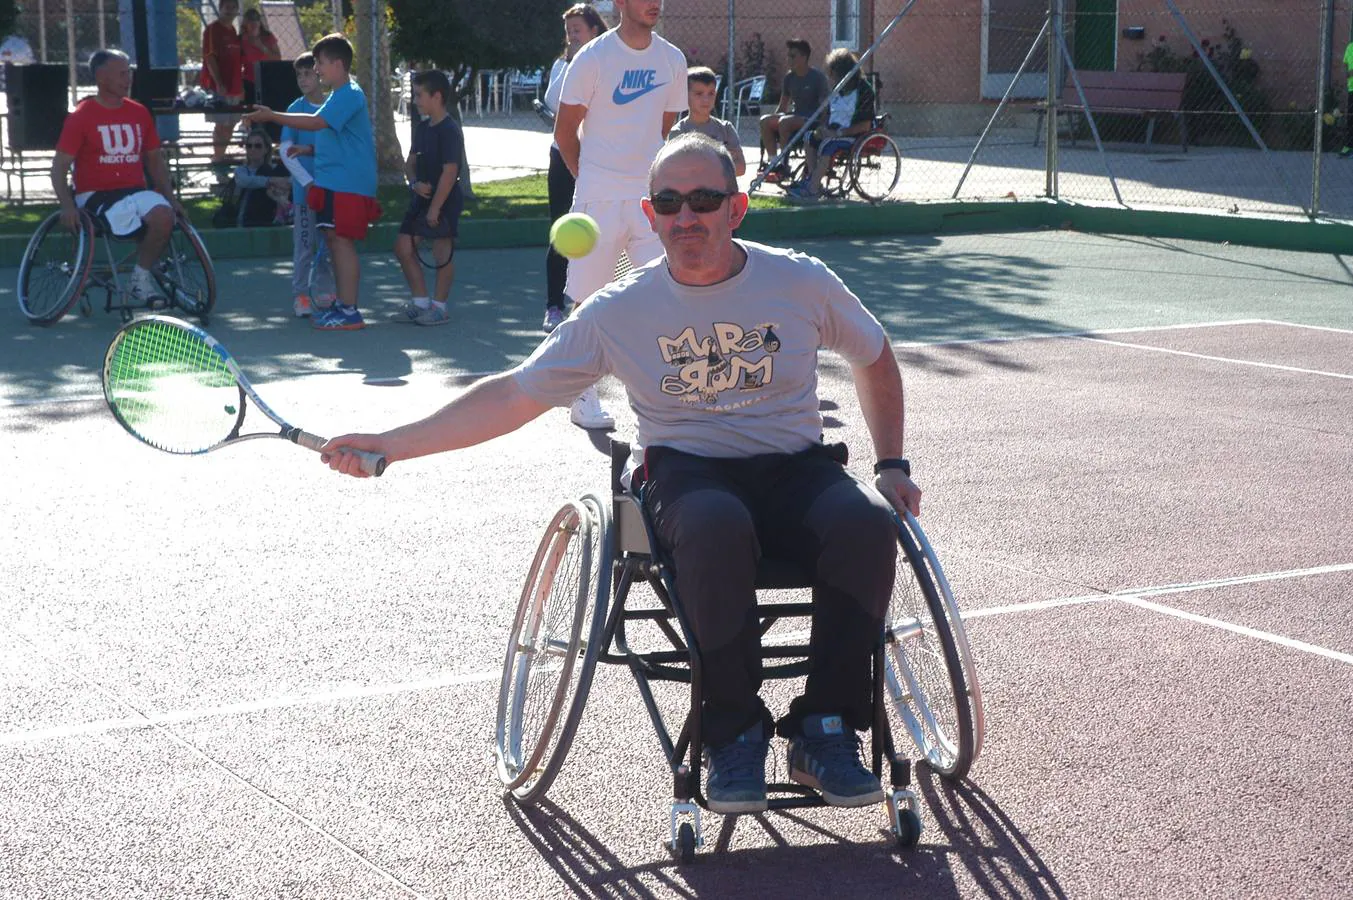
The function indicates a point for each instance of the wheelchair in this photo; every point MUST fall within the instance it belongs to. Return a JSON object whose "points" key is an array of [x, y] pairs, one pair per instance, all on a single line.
{"points": [[576, 610], [58, 270], [871, 166]]}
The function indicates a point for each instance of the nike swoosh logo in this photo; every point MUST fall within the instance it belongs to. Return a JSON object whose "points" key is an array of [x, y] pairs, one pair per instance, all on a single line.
{"points": [[620, 98]]}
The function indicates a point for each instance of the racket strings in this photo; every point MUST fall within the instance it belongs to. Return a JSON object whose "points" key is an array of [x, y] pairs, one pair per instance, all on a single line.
{"points": [[172, 388]]}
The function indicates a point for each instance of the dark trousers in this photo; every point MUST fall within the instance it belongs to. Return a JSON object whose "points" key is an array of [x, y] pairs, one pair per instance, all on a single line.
{"points": [[716, 518], [560, 181]]}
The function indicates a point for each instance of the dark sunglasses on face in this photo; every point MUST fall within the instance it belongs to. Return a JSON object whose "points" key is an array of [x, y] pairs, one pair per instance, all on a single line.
{"points": [[701, 200]]}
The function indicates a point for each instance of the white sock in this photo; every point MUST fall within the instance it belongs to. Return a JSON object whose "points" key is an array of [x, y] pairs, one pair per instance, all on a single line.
{"points": [[422, 302], [439, 305], [140, 275]]}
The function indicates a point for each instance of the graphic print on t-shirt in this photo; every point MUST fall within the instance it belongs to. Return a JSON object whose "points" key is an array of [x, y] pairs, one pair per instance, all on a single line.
{"points": [[634, 84], [121, 144], [733, 358]]}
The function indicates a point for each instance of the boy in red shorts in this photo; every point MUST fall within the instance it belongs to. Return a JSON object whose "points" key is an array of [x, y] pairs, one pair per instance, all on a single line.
{"points": [[343, 194]]}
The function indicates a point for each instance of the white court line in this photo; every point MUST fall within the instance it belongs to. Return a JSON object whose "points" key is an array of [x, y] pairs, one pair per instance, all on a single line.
{"points": [[189, 715], [1225, 359], [1239, 629], [1303, 325], [1136, 597]]}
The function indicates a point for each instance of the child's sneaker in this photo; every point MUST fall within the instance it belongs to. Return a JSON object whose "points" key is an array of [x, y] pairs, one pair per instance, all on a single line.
{"points": [[826, 756], [433, 315], [735, 780], [340, 317], [554, 317], [410, 312], [587, 411], [301, 306]]}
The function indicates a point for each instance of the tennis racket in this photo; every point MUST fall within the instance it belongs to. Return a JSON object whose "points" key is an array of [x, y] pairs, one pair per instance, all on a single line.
{"points": [[174, 387]]}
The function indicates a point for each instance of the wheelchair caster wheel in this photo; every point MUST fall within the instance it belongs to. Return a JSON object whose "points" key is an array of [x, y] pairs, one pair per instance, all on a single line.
{"points": [[204, 319], [908, 829], [686, 843]]}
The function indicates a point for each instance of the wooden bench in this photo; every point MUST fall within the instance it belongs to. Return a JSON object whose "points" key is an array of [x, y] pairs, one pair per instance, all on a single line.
{"points": [[1147, 94]]}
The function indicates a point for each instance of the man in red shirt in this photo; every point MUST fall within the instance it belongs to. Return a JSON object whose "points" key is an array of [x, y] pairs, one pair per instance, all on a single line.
{"points": [[111, 139]]}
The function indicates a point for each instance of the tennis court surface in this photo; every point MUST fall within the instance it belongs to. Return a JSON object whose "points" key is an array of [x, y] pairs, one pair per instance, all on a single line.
{"points": [[240, 675]]}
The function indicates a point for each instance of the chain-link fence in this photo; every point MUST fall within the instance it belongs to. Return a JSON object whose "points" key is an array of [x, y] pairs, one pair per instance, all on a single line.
{"points": [[1166, 103], [1213, 105]]}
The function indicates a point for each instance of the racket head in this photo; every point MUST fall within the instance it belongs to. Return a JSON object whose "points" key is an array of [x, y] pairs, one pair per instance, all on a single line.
{"points": [[173, 386]]}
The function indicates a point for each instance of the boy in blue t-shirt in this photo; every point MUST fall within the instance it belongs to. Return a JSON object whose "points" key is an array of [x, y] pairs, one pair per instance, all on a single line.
{"points": [[435, 200], [312, 278], [343, 194]]}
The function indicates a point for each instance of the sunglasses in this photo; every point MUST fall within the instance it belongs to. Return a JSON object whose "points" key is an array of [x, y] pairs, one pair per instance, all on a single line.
{"points": [[701, 200]]}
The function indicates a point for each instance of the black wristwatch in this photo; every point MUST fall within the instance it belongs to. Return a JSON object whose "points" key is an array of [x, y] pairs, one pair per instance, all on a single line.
{"points": [[896, 462]]}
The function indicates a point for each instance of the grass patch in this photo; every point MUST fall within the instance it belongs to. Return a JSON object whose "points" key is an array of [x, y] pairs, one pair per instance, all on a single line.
{"points": [[526, 197]]}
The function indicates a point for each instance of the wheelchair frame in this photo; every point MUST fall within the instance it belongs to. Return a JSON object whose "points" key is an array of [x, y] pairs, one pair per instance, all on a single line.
{"points": [[185, 248], [616, 552], [847, 166]]}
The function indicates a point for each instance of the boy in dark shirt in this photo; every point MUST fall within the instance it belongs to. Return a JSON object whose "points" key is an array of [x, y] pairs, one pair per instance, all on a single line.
{"points": [[435, 201]]}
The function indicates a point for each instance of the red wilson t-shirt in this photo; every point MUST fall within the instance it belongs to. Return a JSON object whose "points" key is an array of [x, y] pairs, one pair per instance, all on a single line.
{"points": [[220, 39], [109, 145]]}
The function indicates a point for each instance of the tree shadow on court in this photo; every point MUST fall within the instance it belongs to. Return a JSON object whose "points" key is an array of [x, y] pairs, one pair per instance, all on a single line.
{"points": [[920, 289], [986, 842]]}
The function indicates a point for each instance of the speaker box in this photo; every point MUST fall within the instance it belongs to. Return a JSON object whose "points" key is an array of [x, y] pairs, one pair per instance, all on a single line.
{"points": [[37, 96], [157, 88], [275, 86]]}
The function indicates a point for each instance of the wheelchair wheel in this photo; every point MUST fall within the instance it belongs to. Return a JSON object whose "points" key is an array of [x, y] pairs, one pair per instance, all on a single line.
{"points": [[54, 269], [928, 667], [553, 648], [875, 166], [185, 274], [836, 180]]}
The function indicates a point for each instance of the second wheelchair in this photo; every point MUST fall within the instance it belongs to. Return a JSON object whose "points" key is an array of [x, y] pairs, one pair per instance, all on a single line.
{"points": [[59, 269]]}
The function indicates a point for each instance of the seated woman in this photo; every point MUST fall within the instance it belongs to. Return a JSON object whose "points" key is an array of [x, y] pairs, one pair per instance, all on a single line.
{"points": [[257, 187], [850, 114]]}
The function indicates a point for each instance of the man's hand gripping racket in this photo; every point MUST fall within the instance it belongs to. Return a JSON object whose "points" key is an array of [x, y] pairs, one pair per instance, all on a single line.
{"points": [[174, 387]]}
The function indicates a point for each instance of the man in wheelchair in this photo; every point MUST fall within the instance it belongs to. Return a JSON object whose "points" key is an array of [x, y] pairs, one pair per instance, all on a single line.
{"points": [[850, 115], [716, 344], [112, 141]]}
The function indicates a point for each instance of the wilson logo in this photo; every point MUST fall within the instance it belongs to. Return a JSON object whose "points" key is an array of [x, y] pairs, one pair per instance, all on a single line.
{"points": [[121, 143]]}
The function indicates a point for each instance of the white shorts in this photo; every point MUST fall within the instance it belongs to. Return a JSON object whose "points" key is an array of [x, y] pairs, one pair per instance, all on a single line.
{"points": [[125, 215], [622, 226]]}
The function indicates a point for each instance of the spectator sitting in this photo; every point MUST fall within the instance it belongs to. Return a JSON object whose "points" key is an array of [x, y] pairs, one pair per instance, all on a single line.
{"points": [[850, 114], [256, 186], [702, 90], [801, 93]]}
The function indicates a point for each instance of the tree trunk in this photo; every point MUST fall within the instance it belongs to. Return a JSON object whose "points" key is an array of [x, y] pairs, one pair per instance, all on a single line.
{"points": [[389, 156]]}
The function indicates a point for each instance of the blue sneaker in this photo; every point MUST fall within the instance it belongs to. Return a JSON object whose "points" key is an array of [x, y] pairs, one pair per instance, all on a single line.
{"points": [[826, 756], [800, 191], [339, 317], [735, 780]]}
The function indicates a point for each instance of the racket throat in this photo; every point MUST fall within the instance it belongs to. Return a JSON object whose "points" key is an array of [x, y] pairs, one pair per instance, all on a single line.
{"points": [[304, 438]]}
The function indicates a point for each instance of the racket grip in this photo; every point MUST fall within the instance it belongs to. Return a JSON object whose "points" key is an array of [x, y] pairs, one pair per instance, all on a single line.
{"points": [[371, 463]]}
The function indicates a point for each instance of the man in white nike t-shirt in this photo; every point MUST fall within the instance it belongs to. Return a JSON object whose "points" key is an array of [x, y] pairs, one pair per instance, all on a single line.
{"points": [[621, 95]]}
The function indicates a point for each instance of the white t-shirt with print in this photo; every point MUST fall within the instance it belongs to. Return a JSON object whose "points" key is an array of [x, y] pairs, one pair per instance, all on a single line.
{"points": [[726, 370], [626, 92]]}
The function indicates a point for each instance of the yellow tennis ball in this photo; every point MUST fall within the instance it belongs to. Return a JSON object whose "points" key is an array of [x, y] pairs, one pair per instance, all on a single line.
{"points": [[574, 235]]}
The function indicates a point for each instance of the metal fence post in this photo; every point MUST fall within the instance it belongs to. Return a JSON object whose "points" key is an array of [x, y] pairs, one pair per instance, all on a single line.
{"points": [[731, 75], [1055, 10], [1321, 86]]}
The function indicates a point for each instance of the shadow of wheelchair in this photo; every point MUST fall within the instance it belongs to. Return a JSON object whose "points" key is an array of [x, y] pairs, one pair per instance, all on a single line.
{"points": [[588, 868], [984, 842]]}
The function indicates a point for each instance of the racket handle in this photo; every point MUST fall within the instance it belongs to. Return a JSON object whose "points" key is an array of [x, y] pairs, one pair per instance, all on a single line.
{"points": [[371, 463]]}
